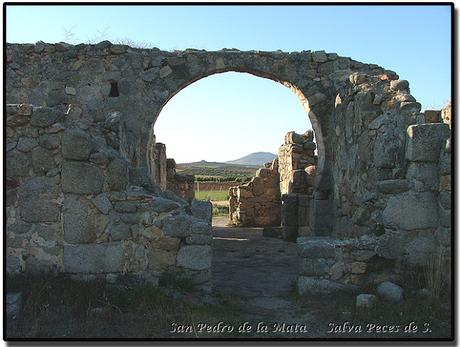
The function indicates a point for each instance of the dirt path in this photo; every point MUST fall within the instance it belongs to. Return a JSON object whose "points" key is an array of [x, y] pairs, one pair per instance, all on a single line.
{"points": [[261, 272]]}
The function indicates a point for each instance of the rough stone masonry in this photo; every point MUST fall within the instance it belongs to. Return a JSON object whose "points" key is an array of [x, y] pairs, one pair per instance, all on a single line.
{"points": [[83, 195]]}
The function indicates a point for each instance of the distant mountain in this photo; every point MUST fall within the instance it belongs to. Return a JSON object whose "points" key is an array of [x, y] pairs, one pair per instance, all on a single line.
{"points": [[257, 158]]}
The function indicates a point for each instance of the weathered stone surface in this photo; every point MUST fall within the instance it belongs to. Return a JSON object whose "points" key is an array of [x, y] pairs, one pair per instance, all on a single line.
{"points": [[424, 141], [199, 239], [399, 85], [161, 205], [160, 259], [314, 286], [177, 226], [393, 186], [76, 144], [411, 210], [49, 141], [75, 178], [316, 247], [425, 173], [194, 257], [390, 292], [102, 203], [119, 231], [419, 251], [13, 304], [79, 220], [17, 164], [365, 301], [200, 227], [202, 210], [45, 116], [37, 199], [26, 144], [314, 267], [117, 174], [42, 160], [125, 206], [94, 258]]}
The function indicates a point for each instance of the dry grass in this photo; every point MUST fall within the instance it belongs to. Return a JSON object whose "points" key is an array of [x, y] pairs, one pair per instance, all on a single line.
{"points": [[59, 307]]}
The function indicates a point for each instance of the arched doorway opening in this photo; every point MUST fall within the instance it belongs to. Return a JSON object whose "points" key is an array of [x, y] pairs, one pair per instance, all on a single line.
{"points": [[188, 139]]}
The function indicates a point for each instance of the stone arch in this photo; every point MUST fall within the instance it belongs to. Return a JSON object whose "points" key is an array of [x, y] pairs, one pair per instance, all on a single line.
{"points": [[302, 99], [362, 110]]}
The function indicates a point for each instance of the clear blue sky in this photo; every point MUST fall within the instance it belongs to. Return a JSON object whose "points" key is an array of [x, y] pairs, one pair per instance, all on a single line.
{"points": [[226, 116]]}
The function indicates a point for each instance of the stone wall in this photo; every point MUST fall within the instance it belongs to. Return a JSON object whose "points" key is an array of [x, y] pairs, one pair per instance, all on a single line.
{"points": [[85, 178], [356, 109], [73, 205], [181, 185], [297, 170], [257, 203], [416, 225]]}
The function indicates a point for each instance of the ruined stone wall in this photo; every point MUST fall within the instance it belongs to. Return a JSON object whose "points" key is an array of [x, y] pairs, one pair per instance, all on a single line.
{"points": [[373, 175], [297, 170], [182, 185], [73, 206], [416, 225], [346, 101], [257, 203]]}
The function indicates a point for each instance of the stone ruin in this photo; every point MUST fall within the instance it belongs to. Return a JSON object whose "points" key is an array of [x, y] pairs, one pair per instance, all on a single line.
{"points": [[279, 193], [257, 203], [87, 185]]}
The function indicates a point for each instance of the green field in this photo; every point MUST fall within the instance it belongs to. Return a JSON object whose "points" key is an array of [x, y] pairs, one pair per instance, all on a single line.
{"points": [[220, 172], [214, 195]]}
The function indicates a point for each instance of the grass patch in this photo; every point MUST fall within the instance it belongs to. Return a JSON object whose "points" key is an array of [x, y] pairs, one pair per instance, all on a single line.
{"points": [[219, 211], [59, 307], [214, 195]]}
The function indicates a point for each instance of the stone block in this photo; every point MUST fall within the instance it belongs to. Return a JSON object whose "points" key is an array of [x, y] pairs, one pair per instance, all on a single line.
{"points": [[321, 217], [314, 267], [393, 186], [161, 205], [419, 250], [119, 231], [94, 258], [316, 247], [17, 164], [26, 144], [37, 200], [79, 220], [42, 160], [45, 116], [76, 144], [102, 203], [390, 292], [424, 141], [199, 239], [125, 206], [81, 178], [313, 286], [49, 141], [160, 260], [337, 271], [202, 210], [425, 173], [358, 267], [117, 174], [411, 210], [178, 226], [194, 257]]}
